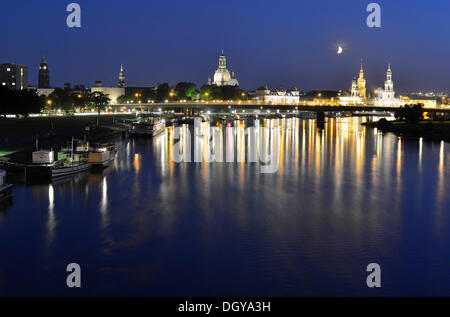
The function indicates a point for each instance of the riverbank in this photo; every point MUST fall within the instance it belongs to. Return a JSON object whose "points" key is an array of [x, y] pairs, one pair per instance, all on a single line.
{"points": [[434, 130], [18, 136]]}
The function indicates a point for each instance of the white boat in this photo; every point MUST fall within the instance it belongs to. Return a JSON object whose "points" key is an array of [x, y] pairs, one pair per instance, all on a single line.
{"points": [[148, 128], [69, 168], [71, 165]]}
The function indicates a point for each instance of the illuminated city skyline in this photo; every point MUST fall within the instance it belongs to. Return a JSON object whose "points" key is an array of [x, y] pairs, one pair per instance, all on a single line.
{"points": [[269, 45]]}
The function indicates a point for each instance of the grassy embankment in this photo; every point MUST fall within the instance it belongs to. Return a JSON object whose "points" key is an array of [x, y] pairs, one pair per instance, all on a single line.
{"points": [[436, 130]]}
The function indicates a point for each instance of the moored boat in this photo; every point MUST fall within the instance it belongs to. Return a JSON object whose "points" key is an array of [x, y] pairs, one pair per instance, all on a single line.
{"points": [[71, 161], [102, 155], [5, 189], [150, 127], [65, 167]]}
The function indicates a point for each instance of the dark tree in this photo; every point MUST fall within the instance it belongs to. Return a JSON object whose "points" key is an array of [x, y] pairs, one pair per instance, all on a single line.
{"points": [[206, 92], [99, 101], [19, 102], [410, 113], [162, 92], [61, 99], [185, 90]]}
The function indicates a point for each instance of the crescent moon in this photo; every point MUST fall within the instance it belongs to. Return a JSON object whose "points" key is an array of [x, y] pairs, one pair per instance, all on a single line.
{"points": [[340, 50]]}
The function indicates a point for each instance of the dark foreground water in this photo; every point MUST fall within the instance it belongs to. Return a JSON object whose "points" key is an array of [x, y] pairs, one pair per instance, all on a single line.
{"points": [[342, 198]]}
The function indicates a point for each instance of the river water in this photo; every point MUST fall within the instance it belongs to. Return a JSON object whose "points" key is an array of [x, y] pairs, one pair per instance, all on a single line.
{"points": [[341, 197]]}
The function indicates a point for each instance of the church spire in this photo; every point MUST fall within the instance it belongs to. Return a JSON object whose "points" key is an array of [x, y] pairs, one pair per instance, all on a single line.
{"points": [[361, 71]]}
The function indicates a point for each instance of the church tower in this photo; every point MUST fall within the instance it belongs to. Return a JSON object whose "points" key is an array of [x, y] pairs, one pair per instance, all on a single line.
{"points": [[362, 82], [44, 74], [122, 78], [389, 93], [387, 96], [389, 84]]}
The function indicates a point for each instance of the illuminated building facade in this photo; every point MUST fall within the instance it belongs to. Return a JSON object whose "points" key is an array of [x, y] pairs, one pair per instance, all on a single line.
{"points": [[279, 96], [354, 98], [112, 92], [427, 102]]}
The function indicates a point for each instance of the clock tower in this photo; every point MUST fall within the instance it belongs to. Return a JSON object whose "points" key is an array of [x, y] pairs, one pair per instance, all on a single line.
{"points": [[44, 74]]}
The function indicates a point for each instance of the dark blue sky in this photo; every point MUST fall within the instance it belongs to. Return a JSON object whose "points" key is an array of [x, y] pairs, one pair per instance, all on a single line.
{"points": [[279, 43]]}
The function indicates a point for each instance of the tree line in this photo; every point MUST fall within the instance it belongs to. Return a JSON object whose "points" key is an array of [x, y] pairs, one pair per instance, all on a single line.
{"points": [[410, 113], [19, 102], [183, 91], [24, 102], [66, 100]]}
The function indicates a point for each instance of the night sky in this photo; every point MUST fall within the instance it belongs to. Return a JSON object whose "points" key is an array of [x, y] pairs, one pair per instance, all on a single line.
{"points": [[278, 43]]}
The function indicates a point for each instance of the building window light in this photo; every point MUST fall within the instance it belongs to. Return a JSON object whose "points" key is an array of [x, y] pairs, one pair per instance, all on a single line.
{"points": [[8, 69]]}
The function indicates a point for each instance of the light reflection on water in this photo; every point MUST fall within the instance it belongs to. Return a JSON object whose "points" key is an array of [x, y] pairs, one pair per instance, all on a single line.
{"points": [[342, 197]]}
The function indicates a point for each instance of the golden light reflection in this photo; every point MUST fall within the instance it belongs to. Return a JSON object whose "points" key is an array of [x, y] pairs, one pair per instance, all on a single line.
{"points": [[137, 163], [440, 191]]}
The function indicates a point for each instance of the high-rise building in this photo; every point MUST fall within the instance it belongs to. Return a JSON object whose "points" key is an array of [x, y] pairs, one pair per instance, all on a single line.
{"points": [[122, 83], [44, 74], [14, 76]]}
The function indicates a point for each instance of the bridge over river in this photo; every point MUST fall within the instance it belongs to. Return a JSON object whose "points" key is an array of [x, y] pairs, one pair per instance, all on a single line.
{"points": [[254, 106]]}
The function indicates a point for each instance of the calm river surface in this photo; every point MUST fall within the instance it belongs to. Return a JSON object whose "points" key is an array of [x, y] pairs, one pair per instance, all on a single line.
{"points": [[342, 197]]}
